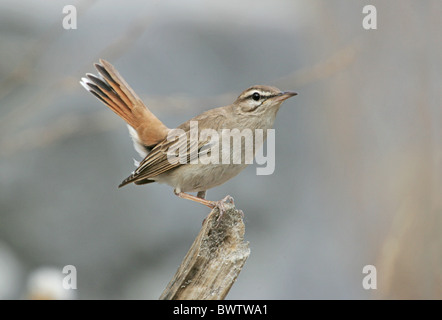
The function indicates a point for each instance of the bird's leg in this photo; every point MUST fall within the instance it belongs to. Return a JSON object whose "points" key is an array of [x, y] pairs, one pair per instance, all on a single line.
{"points": [[203, 201], [211, 204]]}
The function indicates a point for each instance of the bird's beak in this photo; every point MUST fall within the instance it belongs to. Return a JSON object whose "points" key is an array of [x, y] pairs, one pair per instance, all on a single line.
{"points": [[285, 95]]}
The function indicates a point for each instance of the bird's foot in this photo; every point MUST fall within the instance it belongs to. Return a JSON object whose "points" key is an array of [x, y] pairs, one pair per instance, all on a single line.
{"points": [[221, 205]]}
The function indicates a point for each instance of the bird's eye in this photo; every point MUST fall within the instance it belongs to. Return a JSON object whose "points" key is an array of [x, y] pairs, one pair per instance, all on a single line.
{"points": [[256, 96]]}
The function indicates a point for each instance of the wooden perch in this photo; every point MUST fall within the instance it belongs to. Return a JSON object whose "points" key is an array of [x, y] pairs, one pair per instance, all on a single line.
{"points": [[214, 261]]}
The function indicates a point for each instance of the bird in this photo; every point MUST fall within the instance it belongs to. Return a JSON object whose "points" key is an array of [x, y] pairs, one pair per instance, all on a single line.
{"points": [[255, 108]]}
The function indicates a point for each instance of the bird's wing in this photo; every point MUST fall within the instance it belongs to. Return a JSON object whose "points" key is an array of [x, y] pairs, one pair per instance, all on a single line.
{"points": [[167, 155], [181, 147]]}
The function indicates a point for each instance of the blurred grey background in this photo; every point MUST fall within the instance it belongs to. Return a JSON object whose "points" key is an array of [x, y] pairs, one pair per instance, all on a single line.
{"points": [[358, 151]]}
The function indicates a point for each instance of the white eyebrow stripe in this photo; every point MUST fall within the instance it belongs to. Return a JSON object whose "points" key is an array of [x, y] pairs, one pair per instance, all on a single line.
{"points": [[261, 93]]}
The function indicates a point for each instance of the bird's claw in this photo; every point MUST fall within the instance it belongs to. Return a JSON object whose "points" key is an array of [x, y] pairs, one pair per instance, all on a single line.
{"points": [[220, 204]]}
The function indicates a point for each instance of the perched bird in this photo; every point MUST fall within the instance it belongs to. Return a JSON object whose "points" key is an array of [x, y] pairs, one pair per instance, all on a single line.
{"points": [[255, 108]]}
